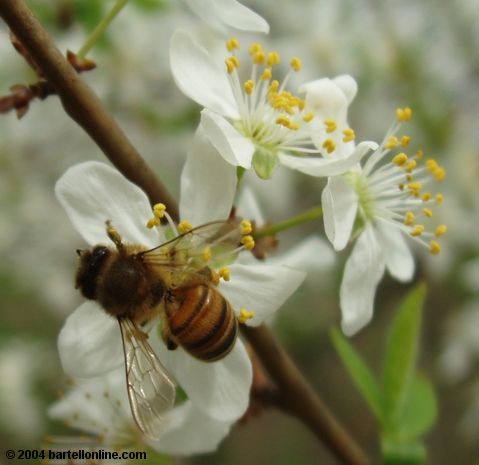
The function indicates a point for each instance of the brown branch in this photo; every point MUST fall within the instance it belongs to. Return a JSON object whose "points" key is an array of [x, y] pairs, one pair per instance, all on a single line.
{"points": [[81, 103], [297, 396]]}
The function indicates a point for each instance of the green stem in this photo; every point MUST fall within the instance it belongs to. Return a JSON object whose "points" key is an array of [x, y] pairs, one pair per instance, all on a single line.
{"points": [[101, 27], [302, 218]]}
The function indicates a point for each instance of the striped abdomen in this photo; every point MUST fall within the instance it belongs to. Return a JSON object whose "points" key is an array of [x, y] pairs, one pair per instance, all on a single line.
{"points": [[204, 324]]}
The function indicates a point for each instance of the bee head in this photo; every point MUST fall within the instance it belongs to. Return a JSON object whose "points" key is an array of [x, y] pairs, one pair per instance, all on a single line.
{"points": [[91, 264]]}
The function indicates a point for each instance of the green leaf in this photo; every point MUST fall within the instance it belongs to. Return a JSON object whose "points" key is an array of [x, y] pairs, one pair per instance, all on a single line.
{"points": [[402, 453], [359, 372], [420, 409], [401, 355], [149, 5]]}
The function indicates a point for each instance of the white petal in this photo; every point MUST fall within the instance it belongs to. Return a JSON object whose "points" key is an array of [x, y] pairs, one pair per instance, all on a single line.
{"points": [[219, 389], [362, 273], [399, 260], [340, 205], [228, 12], [247, 206], [190, 431], [200, 77], [233, 146], [89, 343], [312, 254], [260, 288], [327, 166], [348, 86], [93, 192], [208, 183]]}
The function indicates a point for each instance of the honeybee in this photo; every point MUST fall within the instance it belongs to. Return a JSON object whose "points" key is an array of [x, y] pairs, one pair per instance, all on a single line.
{"points": [[175, 282]]}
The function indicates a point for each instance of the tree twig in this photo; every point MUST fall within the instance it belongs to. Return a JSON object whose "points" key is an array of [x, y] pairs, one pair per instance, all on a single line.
{"points": [[297, 396], [81, 103]]}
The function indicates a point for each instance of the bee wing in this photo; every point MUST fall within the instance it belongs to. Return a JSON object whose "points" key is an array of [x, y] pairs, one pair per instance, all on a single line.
{"points": [[210, 244], [151, 390]]}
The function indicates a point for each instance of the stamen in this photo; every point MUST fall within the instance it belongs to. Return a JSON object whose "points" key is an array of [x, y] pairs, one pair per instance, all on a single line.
{"points": [[152, 222], [248, 242], [403, 114], [411, 165], [246, 227], [331, 125], [439, 198], [249, 86], [207, 254], [267, 75], [245, 315], [232, 63], [426, 196], [441, 230], [405, 141], [329, 145], [159, 210], [225, 273], [254, 48], [295, 64], [184, 226], [434, 247], [273, 58], [391, 143], [417, 230], [232, 44], [308, 117], [427, 212], [419, 154], [409, 218], [400, 159], [258, 58], [349, 135]]}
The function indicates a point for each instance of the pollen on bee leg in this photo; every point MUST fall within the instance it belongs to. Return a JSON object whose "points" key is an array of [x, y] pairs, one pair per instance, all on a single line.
{"points": [[113, 234], [215, 277], [184, 226], [245, 315]]}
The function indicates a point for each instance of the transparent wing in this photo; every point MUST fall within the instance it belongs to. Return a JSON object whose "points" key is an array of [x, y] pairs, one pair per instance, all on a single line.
{"points": [[211, 245], [151, 390]]}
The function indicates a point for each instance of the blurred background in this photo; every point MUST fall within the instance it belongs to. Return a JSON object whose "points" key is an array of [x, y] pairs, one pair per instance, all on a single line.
{"points": [[419, 54]]}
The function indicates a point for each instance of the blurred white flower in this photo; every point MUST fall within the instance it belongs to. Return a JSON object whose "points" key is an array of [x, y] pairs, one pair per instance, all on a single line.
{"points": [[90, 343], [258, 122], [99, 406], [224, 15], [378, 204]]}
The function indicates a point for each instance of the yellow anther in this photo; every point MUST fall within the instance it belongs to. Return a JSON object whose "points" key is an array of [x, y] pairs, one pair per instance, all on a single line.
{"points": [[331, 125], [248, 242], [207, 254], [295, 63], [283, 120], [400, 159], [415, 186], [401, 186], [431, 164], [426, 196], [274, 86], [232, 44], [235, 60], [439, 198], [392, 142], [266, 75], [308, 117], [419, 154], [245, 315], [273, 58], [409, 219], [405, 141], [403, 114], [230, 65], [152, 223], [409, 177], [349, 135], [159, 210], [215, 278], [411, 165], [254, 48], [225, 273], [246, 227], [184, 226], [439, 173], [427, 212], [417, 230], [258, 58], [249, 86], [329, 145], [434, 247], [441, 230]]}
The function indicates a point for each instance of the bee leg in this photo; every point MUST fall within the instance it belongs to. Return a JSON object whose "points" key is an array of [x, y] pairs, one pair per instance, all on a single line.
{"points": [[166, 333], [113, 234]]}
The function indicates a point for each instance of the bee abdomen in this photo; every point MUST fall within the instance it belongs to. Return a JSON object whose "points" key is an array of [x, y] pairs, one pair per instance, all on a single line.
{"points": [[205, 324]]}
